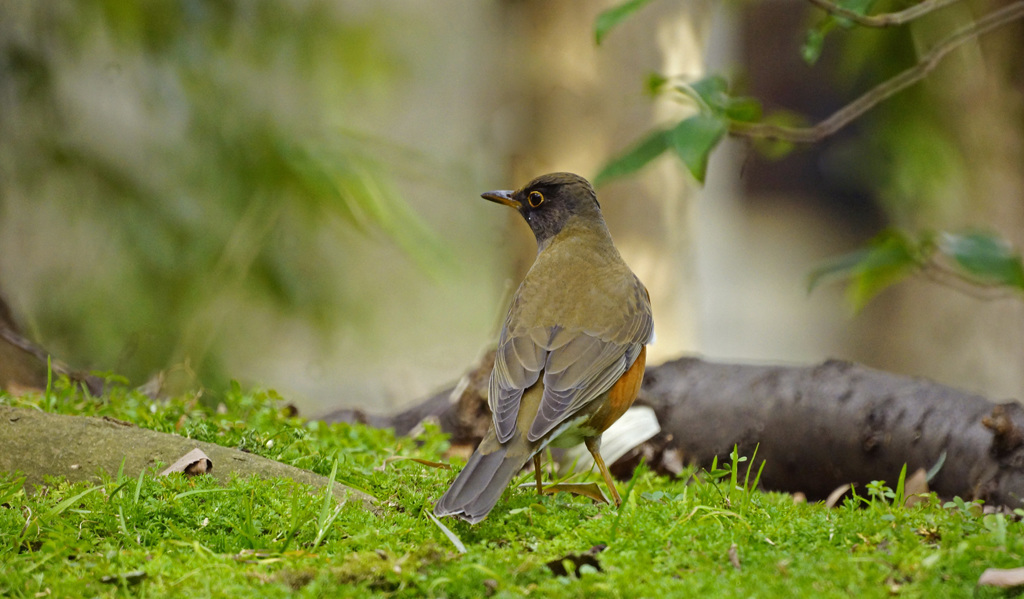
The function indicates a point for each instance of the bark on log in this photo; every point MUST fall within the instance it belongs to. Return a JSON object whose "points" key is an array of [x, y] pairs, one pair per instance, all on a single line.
{"points": [[822, 426], [77, 447], [816, 427]]}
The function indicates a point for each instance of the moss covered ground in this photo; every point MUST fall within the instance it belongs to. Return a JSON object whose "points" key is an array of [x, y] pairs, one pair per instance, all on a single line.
{"points": [[705, 534]]}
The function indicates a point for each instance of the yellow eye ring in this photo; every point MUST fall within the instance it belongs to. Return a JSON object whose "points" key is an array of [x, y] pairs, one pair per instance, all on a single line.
{"points": [[535, 198]]}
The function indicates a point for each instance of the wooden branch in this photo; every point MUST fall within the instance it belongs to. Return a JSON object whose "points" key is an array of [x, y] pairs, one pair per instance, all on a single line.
{"points": [[884, 90], [891, 19], [820, 426], [23, 365], [941, 274]]}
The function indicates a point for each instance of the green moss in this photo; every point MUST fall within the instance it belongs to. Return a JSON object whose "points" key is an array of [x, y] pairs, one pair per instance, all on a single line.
{"points": [[175, 536]]}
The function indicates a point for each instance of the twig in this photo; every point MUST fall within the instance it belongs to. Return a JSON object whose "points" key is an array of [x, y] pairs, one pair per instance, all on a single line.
{"points": [[882, 91], [984, 290], [890, 19], [10, 336]]}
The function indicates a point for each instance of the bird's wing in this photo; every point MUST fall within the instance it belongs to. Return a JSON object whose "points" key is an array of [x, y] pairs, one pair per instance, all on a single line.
{"points": [[517, 365], [584, 368], [578, 366]]}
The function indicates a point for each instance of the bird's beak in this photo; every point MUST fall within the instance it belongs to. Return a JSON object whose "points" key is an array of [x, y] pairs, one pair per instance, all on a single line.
{"points": [[503, 196]]}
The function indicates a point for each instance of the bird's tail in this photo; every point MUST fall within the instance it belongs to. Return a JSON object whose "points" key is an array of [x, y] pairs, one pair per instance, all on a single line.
{"points": [[479, 486]]}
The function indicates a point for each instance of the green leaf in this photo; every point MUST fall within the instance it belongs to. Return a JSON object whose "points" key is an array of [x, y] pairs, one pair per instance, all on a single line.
{"points": [[633, 159], [746, 110], [655, 81], [813, 44], [693, 140], [615, 15], [712, 94], [985, 256], [889, 258], [710, 89], [709, 93], [815, 40], [841, 267], [860, 7]]}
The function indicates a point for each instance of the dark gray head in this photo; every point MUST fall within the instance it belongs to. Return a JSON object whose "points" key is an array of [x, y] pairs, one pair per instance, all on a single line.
{"points": [[549, 201]]}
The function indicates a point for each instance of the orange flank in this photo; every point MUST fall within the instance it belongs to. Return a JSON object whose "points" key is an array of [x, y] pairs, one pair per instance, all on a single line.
{"points": [[622, 394]]}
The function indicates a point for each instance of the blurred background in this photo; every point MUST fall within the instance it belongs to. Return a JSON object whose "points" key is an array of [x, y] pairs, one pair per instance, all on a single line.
{"points": [[287, 193]]}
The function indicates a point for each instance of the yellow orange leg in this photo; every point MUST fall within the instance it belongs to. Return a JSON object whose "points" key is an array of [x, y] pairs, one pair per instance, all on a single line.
{"points": [[536, 471], [594, 446]]}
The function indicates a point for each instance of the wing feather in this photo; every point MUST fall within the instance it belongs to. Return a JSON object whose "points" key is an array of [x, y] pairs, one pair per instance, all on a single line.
{"points": [[577, 365]]}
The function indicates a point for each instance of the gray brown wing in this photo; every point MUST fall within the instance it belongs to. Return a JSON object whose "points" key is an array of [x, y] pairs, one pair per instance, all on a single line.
{"points": [[578, 366], [517, 365], [578, 374]]}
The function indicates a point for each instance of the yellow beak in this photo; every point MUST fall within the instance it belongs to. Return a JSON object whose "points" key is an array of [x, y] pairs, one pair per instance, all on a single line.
{"points": [[503, 196]]}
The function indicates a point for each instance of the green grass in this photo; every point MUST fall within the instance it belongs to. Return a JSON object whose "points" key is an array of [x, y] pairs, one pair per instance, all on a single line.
{"points": [[171, 536]]}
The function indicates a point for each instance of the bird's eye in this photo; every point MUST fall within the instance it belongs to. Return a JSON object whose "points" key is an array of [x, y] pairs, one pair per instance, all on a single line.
{"points": [[535, 198]]}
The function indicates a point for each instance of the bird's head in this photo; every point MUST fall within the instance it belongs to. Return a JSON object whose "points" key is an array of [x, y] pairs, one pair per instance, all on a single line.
{"points": [[550, 201]]}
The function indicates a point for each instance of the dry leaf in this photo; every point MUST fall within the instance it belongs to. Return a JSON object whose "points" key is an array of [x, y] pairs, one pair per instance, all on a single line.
{"points": [[591, 490], [997, 577], [154, 386], [192, 463], [835, 496], [734, 557], [402, 458], [915, 488]]}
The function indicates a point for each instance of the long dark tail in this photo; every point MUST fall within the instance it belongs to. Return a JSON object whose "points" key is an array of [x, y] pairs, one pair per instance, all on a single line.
{"points": [[479, 486]]}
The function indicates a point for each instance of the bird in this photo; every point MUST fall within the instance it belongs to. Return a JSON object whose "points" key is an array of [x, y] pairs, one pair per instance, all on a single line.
{"points": [[571, 354]]}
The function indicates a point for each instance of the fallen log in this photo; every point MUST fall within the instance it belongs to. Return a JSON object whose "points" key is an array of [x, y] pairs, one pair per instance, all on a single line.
{"points": [[816, 427], [38, 445]]}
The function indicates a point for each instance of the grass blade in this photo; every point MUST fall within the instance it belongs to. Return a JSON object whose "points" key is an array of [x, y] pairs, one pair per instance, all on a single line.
{"points": [[459, 546]]}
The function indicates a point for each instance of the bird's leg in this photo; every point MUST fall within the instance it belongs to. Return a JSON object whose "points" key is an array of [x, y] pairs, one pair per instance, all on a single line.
{"points": [[594, 447], [536, 471]]}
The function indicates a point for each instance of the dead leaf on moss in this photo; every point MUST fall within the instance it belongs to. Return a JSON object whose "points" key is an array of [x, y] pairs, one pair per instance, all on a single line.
{"points": [[1003, 578], [402, 458], [915, 488], [591, 490], [192, 463], [836, 495], [734, 557]]}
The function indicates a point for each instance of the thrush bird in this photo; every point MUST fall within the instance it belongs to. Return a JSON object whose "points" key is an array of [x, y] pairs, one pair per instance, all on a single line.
{"points": [[572, 351]]}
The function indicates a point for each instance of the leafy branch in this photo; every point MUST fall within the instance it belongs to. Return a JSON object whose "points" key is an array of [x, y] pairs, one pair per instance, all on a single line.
{"points": [[891, 19], [884, 90], [694, 138], [979, 264]]}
